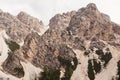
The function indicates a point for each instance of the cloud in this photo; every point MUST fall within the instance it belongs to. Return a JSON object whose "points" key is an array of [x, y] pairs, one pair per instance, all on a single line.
{"points": [[45, 9]]}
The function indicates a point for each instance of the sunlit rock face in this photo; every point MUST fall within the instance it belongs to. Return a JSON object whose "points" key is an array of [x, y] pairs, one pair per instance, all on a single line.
{"points": [[61, 21], [19, 27], [33, 23], [89, 22]]}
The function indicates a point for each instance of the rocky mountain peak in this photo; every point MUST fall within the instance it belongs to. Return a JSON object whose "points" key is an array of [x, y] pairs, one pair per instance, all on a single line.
{"points": [[90, 22], [19, 27], [92, 6], [61, 21], [30, 21]]}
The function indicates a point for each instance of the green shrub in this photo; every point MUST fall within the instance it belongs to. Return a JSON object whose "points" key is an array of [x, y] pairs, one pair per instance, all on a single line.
{"points": [[68, 73], [50, 74], [99, 52], [97, 66], [91, 74], [75, 61], [107, 57], [64, 62], [104, 57], [69, 68], [118, 73], [12, 45]]}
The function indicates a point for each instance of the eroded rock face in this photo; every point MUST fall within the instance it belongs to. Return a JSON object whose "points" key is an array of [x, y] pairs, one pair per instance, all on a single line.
{"points": [[89, 22], [46, 54], [61, 21], [116, 28], [42, 54], [32, 22], [12, 65], [96, 44], [49, 58], [19, 27]]}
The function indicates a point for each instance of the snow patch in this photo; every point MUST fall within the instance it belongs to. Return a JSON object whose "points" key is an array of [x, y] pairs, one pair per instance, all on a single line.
{"points": [[81, 71], [4, 76], [31, 72], [3, 47]]}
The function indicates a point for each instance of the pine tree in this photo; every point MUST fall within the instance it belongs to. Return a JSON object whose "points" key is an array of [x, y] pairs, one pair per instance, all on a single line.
{"points": [[90, 71]]}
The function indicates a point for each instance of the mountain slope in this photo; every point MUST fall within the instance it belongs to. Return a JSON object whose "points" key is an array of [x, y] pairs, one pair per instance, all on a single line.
{"points": [[19, 27]]}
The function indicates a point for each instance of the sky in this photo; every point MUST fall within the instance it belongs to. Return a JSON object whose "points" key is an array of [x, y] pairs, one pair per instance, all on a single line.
{"points": [[45, 9]]}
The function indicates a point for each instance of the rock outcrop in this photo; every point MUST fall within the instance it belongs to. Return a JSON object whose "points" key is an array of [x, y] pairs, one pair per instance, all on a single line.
{"points": [[61, 21], [19, 27], [89, 22], [33, 23]]}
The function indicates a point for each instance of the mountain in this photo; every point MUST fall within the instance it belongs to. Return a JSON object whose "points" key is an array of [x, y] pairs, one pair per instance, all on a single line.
{"points": [[18, 27], [78, 45]]}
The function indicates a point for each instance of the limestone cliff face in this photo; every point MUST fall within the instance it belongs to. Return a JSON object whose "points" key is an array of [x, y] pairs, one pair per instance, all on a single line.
{"points": [[19, 27], [89, 22], [61, 21], [33, 23], [86, 34]]}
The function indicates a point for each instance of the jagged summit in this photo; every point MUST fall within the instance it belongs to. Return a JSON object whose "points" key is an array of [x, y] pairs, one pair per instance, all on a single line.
{"points": [[30, 21], [92, 6], [79, 45], [19, 27], [61, 21], [89, 22]]}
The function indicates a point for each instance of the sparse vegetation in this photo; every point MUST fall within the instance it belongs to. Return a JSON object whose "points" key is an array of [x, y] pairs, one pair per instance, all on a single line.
{"points": [[12, 45], [50, 74], [106, 57], [69, 68], [118, 73], [91, 74], [97, 66], [19, 70], [75, 62], [99, 52]]}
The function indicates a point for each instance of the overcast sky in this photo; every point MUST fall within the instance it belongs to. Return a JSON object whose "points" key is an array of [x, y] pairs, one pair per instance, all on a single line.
{"points": [[45, 9]]}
